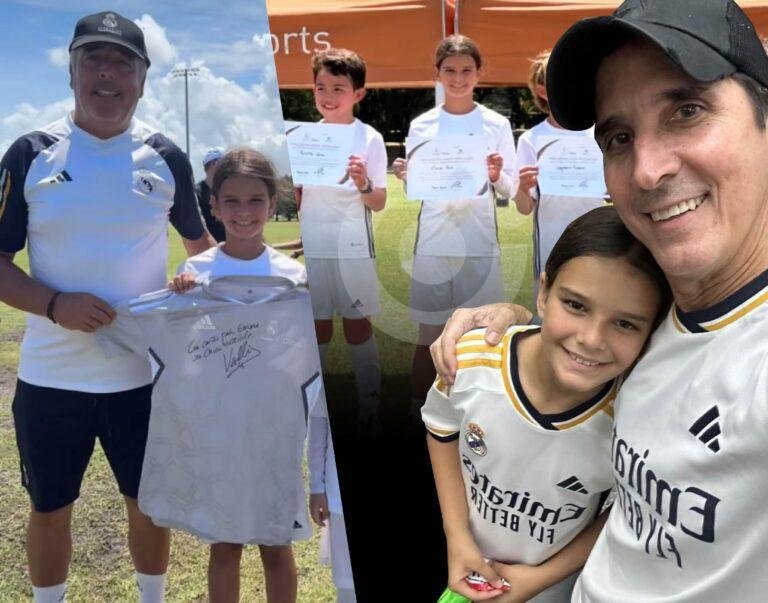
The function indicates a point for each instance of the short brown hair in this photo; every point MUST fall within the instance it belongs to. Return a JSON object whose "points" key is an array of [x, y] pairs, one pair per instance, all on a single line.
{"points": [[340, 61], [538, 75], [457, 44], [245, 161]]}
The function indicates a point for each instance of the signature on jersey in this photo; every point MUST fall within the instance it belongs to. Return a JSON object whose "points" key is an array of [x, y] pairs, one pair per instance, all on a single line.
{"points": [[237, 358]]}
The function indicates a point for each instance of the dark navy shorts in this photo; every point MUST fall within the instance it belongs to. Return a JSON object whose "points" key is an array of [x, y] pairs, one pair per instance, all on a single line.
{"points": [[56, 431]]}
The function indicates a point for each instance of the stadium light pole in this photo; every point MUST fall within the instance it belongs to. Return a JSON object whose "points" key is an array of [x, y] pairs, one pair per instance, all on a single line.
{"points": [[186, 73]]}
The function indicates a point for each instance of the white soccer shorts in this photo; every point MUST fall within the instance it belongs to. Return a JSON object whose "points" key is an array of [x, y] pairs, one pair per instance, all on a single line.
{"points": [[440, 284], [348, 287]]}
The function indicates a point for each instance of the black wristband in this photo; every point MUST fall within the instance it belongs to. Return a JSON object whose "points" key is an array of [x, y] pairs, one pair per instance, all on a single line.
{"points": [[51, 306], [368, 187]]}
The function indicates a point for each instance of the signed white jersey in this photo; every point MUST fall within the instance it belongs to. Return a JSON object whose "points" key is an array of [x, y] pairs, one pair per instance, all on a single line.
{"points": [[532, 481], [690, 457], [236, 371]]}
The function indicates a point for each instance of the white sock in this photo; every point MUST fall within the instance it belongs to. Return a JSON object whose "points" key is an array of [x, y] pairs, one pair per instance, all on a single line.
{"points": [[323, 349], [151, 587], [365, 361], [49, 594]]}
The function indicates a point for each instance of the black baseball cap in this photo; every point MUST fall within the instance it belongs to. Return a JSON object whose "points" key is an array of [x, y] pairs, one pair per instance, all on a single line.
{"points": [[113, 28], [707, 39]]}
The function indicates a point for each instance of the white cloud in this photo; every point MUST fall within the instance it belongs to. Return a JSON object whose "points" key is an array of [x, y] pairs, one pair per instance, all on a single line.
{"points": [[161, 52], [235, 57], [58, 56], [28, 117], [222, 111]]}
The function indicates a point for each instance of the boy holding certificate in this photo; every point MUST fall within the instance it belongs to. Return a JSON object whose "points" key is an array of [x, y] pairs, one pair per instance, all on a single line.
{"points": [[551, 213], [337, 231]]}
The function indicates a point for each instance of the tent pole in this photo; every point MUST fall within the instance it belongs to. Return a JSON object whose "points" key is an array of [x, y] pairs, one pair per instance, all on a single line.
{"points": [[442, 16], [456, 16]]}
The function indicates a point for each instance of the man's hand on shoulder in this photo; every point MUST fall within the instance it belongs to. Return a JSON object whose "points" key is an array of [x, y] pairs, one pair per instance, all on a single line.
{"points": [[497, 318], [81, 312]]}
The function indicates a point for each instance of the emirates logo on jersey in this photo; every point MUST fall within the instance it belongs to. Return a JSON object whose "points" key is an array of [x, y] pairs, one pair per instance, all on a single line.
{"points": [[474, 438]]}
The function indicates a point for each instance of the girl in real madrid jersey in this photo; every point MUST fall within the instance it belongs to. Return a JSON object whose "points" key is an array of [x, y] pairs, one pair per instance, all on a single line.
{"points": [[520, 442]]}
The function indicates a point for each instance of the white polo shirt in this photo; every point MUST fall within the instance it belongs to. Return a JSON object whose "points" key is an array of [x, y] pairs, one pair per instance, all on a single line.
{"points": [[94, 214]]}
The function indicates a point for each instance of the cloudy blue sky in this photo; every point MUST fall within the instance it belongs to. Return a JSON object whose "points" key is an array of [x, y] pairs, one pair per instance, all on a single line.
{"points": [[232, 101]]}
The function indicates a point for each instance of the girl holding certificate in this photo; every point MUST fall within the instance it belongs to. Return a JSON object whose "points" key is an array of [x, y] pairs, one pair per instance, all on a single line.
{"points": [[551, 213], [456, 256]]}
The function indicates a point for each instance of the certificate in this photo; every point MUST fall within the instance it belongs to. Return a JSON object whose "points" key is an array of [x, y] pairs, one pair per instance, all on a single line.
{"points": [[571, 166], [447, 167], [319, 153]]}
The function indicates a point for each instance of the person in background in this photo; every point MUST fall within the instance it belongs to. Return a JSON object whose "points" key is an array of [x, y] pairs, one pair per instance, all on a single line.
{"points": [[203, 194], [551, 213], [456, 261], [337, 229]]}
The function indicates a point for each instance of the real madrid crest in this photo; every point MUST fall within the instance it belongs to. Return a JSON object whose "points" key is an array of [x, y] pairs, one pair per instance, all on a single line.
{"points": [[474, 438], [110, 20]]}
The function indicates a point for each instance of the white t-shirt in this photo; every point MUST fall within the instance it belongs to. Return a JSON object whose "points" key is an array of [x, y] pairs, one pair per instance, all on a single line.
{"points": [[533, 482], [551, 213], [334, 221], [690, 458], [214, 262], [465, 227], [94, 215], [236, 372]]}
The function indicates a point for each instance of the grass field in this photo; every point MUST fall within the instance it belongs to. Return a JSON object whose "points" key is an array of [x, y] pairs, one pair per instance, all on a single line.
{"points": [[101, 569]]}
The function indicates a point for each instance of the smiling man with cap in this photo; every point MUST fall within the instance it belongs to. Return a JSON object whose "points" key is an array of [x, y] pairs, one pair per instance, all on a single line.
{"points": [[90, 196], [678, 92]]}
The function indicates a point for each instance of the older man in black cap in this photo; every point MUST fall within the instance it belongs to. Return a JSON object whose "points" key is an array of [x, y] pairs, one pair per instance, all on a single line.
{"points": [[678, 92], [90, 196]]}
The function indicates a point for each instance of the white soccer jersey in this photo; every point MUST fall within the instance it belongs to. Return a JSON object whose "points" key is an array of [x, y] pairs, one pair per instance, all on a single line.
{"points": [[551, 213], [94, 214], [236, 371], [690, 457], [334, 221], [533, 482], [465, 227]]}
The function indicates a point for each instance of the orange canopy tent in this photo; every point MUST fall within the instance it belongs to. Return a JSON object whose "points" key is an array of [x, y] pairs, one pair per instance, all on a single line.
{"points": [[397, 38], [510, 32]]}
